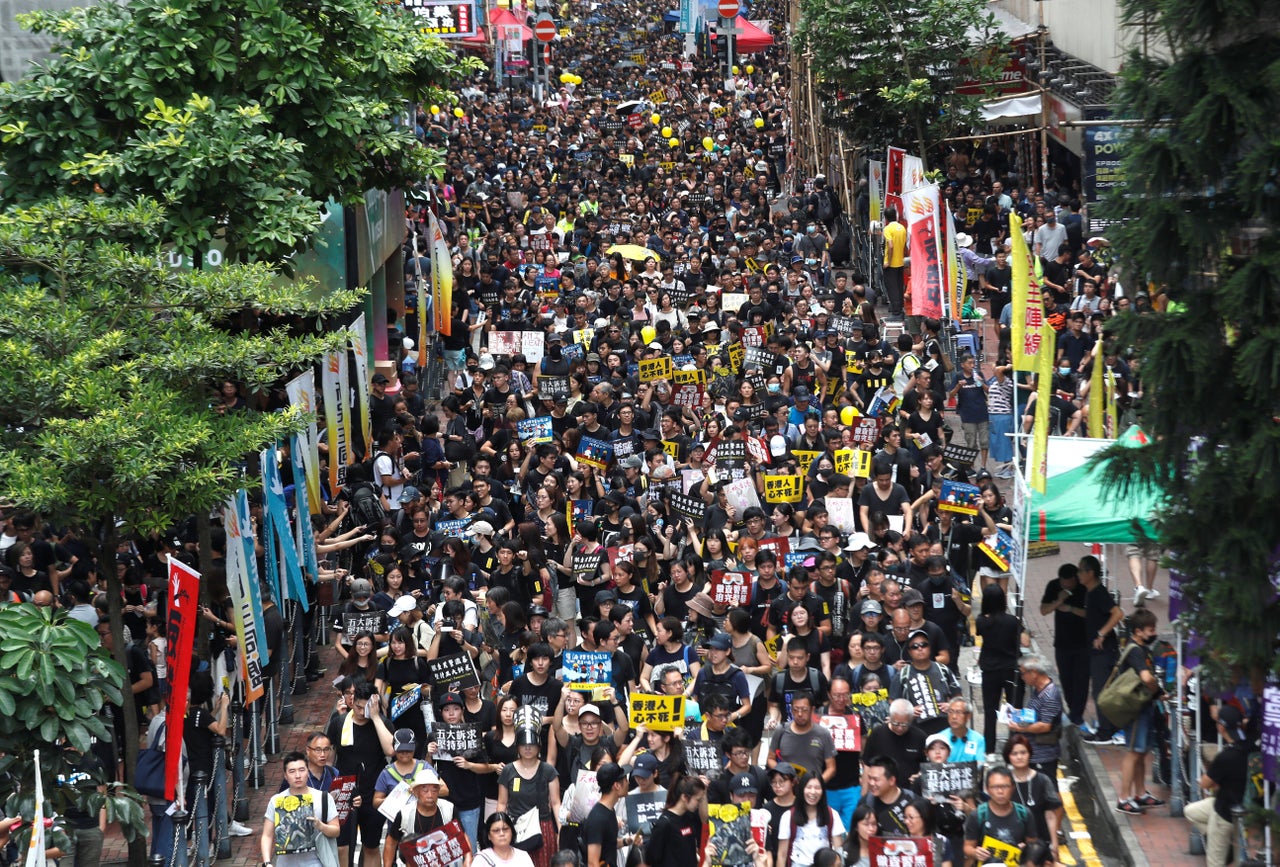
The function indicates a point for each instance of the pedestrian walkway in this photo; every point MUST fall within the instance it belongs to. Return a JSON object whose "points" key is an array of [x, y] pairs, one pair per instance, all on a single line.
{"points": [[310, 712]]}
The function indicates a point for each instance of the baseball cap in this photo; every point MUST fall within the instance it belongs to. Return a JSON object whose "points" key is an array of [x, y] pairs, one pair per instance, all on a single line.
{"points": [[361, 589], [380, 379], [938, 738], [480, 528], [449, 698], [800, 392], [912, 596], [650, 434], [784, 769], [404, 605], [590, 708], [608, 774], [743, 783], [871, 606], [859, 542], [405, 740], [409, 494], [720, 641], [917, 633], [645, 765], [606, 596]]}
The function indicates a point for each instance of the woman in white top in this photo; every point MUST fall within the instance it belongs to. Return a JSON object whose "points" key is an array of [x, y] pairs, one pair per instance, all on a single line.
{"points": [[811, 825], [502, 851]]}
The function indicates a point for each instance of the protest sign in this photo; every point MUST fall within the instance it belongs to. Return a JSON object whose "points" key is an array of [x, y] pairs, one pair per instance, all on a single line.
{"points": [[959, 456], [901, 852], [729, 829], [689, 377], [456, 739], [437, 848], [671, 448], [532, 344], [866, 431], [779, 545], [701, 757], [783, 489], [596, 452], [535, 430], [643, 809], [576, 510], [732, 302], [737, 353], [999, 548], [585, 564], [730, 588], [407, 700], [1006, 852], [741, 495], [692, 508], [456, 527], [552, 387], [452, 673], [761, 359], [804, 458], [940, 779], [343, 790], [690, 478], [587, 669], [652, 369], [840, 514], [620, 552], [1269, 742], [958, 497], [505, 342], [688, 396], [754, 336], [884, 403], [659, 713], [845, 730], [583, 794]]}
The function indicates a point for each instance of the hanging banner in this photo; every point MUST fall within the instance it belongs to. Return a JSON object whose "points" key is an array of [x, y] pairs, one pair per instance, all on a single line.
{"points": [[180, 642], [953, 276], [926, 257], [361, 350], [1044, 378], [242, 584], [337, 415], [912, 173], [893, 179], [875, 188], [36, 845], [441, 275], [273, 492], [305, 538], [302, 394], [1028, 305]]}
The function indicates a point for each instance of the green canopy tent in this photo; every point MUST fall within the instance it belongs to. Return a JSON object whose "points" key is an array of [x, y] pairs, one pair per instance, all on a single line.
{"points": [[1077, 507]]}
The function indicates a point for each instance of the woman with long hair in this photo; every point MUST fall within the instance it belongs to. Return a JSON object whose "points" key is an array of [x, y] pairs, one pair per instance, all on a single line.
{"points": [[857, 849], [805, 633], [362, 660], [1034, 790], [392, 587], [714, 549], [921, 817], [1002, 639], [399, 681], [500, 749], [529, 784], [669, 648], [1002, 516], [811, 825]]}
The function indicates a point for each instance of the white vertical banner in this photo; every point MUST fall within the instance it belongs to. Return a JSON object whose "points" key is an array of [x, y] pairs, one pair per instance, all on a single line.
{"points": [[361, 349], [35, 849], [242, 584], [302, 394], [337, 415], [912, 173]]}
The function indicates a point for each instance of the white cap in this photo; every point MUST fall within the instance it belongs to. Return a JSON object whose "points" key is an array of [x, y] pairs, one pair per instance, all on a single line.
{"points": [[403, 605], [859, 542]]}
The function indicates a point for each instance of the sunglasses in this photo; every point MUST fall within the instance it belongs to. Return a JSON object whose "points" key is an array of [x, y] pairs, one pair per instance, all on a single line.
{"points": [[918, 646]]}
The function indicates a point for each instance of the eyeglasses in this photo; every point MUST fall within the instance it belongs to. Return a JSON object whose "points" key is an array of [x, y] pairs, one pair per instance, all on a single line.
{"points": [[321, 749], [894, 724]]}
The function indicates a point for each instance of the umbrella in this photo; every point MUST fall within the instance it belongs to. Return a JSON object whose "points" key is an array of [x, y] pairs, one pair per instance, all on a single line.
{"points": [[632, 251], [632, 105]]}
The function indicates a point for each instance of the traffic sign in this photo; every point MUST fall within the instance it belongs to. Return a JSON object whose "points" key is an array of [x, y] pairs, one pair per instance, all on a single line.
{"points": [[544, 28], [728, 8]]}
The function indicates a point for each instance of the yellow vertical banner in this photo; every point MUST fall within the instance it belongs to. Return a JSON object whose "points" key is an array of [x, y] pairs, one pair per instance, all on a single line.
{"points": [[1044, 391], [1097, 395], [1028, 306], [441, 275]]}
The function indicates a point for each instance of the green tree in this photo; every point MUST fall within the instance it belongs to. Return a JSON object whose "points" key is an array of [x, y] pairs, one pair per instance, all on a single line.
{"points": [[888, 73], [242, 118], [111, 358], [1198, 217], [58, 681]]}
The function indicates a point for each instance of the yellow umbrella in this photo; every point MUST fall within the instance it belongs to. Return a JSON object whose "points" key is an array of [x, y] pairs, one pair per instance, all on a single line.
{"points": [[632, 251]]}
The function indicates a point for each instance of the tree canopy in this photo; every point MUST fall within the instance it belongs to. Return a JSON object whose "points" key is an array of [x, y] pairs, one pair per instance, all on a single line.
{"points": [[888, 73], [1198, 219], [241, 116]]}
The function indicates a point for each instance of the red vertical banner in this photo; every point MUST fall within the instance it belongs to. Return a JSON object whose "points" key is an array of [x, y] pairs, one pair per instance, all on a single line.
{"points": [[926, 252], [893, 179], [180, 641]]}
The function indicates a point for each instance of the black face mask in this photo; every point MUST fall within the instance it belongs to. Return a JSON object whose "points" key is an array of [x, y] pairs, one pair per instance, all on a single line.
{"points": [[556, 351]]}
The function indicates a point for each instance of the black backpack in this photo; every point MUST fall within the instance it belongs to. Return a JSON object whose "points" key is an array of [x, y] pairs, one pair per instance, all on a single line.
{"points": [[826, 207]]}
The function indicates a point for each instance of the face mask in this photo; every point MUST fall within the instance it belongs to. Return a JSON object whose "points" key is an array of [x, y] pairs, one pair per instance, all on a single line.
{"points": [[774, 387], [556, 351], [1065, 371]]}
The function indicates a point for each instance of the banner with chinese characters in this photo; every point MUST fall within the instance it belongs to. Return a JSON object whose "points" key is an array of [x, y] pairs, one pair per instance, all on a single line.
{"points": [[439, 848], [659, 713], [901, 852], [730, 588]]}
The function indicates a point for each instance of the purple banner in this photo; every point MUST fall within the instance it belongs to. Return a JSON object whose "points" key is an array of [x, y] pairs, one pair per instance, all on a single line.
{"points": [[1269, 743], [1176, 601]]}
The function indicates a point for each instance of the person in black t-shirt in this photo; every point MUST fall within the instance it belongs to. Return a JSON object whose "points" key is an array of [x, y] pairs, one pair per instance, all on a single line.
{"points": [[1101, 616], [674, 840], [599, 834], [1065, 597], [363, 744], [885, 797], [1227, 778]]}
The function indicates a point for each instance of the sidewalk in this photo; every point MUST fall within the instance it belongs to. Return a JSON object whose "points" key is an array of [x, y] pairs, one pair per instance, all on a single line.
{"points": [[310, 712]]}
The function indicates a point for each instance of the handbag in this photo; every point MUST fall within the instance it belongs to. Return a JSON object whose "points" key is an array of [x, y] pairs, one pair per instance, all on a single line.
{"points": [[529, 831], [326, 847], [149, 778], [1123, 697], [462, 450]]}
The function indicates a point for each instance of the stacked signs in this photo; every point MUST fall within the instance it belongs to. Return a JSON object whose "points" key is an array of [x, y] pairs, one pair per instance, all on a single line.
{"points": [[731, 460]]}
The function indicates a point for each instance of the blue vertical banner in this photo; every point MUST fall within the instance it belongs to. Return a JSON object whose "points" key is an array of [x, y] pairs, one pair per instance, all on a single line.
{"points": [[306, 541], [277, 510]]}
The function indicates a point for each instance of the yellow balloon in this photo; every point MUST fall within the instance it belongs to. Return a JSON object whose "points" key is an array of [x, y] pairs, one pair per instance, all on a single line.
{"points": [[566, 77], [457, 112], [735, 70], [655, 118], [435, 109], [666, 132], [847, 415], [674, 142], [648, 333], [751, 70], [577, 79], [759, 122], [708, 143]]}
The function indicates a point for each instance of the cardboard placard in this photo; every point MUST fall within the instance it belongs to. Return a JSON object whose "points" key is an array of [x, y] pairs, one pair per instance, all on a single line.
{"points": [[804, 459], [901, 852], [958, 497], [845, 730], [456, 527], [596, 452], [741, 494], [938, 780], [999, 548], [754, 336], [701, 757], [959, 456], [866, 431], [840, 514], [732, 302], [688, 396], [730, 588], [407, 700], [692, 508], [780, 546], [761, 359], [552, 387], [452, 673], [729, 830], [659, 713], [671, 448], [644, 808], [587, 669], [687, 377], [652, 369], [455, 739], [343, 790], [1006, 852], [505, 342], [438, 848]]}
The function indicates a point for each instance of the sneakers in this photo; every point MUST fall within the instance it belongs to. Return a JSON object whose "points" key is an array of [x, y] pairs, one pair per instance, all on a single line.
{"points": [[1087, 728], [1149, 800], [1152, 593], [1006, 473], [1130, 807], [1139, 597], [235, 829]]}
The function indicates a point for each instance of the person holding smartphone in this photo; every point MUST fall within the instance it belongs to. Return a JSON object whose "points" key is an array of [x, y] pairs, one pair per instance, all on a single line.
{"points": [[296, 818]]}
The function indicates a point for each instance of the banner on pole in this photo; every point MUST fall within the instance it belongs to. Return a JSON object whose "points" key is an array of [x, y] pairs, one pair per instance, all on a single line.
{"points": [[302, 394], [337, 415], [926, 256], [359, 347], [242, 584], [180, 641]]}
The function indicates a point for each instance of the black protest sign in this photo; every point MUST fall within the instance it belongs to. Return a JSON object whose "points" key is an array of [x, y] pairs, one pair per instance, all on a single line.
{"points": [[551, 387], [456, 740], [692, 508], [585, 563], [763, 360], [452, 673], [701, 757], [959, 456], [733, 450], [938, 780], [843, 325], [643, 809], [359, 622]]}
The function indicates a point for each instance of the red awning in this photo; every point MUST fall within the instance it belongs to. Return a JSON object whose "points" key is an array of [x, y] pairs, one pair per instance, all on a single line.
{"points": [[477, 42], [503, 18], [751, 39]]}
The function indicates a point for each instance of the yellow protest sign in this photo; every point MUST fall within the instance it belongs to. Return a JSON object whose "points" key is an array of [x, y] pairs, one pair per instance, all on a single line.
{"points": [[804, 458], [627, 160], [862, 464], [659, 713], [655, 368], [1006, 852], [585, 336], [539, 127], [657, 96], [671, 448], [773, 645], [690, 377], [844, 461], [667, 165], [737, 352], [783, 489], [853, 362]]}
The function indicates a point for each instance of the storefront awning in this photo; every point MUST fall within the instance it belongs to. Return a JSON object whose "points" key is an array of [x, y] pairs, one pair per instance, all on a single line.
{"points": [[1012, 107]]}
